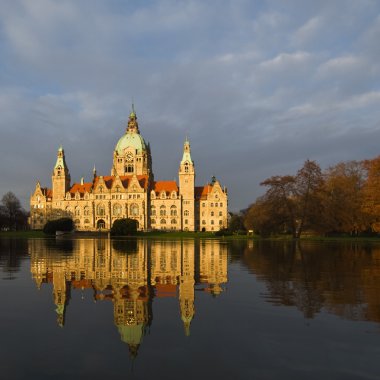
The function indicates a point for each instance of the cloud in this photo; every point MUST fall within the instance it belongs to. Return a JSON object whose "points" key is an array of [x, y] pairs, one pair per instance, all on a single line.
{"points": [[256, 86]]}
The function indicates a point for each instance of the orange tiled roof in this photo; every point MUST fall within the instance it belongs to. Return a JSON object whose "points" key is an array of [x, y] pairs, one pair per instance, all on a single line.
{"points": [[167, 186], [86, 187], [165, 290], [201, 192], [109, 180], [125, 179]]}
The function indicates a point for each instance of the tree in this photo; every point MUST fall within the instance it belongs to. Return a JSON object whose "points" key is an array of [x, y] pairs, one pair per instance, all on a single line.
{"points": [[343, 198], [12, 214], [236, 223], [308, 189], [62, 224], [124, 227], [280, 201], [371, 194]]}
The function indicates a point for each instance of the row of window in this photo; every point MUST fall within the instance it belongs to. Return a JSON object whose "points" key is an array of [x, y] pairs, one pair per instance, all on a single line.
{"points": [[101, 210], [163, 221], [121, 196], [162, 195], [172, 221], [212, 222], [212, 213], [212, 204]]}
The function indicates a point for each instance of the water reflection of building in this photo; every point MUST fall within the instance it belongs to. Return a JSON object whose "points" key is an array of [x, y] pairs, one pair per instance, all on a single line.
{"points": [[130, 274]]}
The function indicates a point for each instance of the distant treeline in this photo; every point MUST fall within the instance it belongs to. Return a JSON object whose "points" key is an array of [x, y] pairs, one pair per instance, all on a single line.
{"points": [[12, 216], [344, 199]]}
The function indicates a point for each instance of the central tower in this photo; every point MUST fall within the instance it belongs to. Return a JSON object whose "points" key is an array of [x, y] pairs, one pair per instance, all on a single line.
{"points": [[132, 154]]}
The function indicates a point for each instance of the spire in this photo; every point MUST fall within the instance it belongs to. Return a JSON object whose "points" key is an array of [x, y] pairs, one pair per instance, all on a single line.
{"points": [[186, 152], [94, 171], [60, 158], [133, 125]]}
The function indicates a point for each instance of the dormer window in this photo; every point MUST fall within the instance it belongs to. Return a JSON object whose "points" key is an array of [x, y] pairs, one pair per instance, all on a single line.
{"points": [[162, 195]]}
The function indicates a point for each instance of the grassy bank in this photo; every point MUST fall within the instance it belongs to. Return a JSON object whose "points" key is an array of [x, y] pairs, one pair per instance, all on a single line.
{"points": [[191, 235], [22, 234]]}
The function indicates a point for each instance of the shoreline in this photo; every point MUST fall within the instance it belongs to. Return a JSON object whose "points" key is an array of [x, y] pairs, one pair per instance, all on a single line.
{"points": [[187, 235]]}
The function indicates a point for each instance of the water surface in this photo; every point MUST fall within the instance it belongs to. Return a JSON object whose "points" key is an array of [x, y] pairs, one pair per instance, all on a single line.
{"points": [[138, 309]]}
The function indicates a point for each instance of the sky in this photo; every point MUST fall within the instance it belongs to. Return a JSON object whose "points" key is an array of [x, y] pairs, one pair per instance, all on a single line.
{"points": [[257, 86]]}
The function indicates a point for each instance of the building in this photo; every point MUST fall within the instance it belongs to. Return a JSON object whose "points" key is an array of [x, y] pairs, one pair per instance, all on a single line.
{"points": [[130, 191]]}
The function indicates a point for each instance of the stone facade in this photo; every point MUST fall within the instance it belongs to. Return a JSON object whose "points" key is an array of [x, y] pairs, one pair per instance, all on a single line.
{"points": [[131, 192]]}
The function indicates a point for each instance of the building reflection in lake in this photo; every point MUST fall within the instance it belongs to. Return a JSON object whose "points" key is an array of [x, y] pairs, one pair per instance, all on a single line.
{"points": [[130, 274]]}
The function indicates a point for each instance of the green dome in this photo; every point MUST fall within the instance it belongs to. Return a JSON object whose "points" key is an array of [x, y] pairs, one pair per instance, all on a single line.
{"points": [[134, 140]]}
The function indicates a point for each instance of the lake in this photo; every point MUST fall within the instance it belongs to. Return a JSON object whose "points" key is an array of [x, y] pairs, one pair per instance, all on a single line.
{"points": [[187, 309]]}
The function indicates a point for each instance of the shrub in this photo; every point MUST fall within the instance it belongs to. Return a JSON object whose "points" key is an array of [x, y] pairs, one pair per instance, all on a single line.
{"points": [[63, 224], [124, 227], [223, 232]]}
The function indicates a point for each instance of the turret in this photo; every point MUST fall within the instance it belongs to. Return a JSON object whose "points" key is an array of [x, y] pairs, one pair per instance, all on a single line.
{"points": [[60, 177], [186, 188]]}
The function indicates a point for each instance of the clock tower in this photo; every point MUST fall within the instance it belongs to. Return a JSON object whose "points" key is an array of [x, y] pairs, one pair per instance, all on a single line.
{"points": [[132, 154]]}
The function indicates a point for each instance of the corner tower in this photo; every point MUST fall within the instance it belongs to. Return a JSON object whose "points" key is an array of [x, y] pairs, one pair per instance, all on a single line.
{"points": [[132, 154], [186, 188], [61, 176]]}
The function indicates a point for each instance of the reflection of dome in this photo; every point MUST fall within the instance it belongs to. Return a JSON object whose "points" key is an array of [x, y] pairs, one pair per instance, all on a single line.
{"points": [[134, 140], [132, 335]]}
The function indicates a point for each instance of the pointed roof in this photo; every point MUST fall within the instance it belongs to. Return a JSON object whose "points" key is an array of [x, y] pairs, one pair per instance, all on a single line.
{"points": [[167, 186], [186, 152]]}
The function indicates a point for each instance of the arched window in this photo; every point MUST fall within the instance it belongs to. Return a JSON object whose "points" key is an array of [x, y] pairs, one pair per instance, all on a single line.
{"points": [[173, 221], [162, 210], [153, 211], [186, 213], [116, 209], [86, 211], [86, 221], [129, 168], [153, 221], [173, 210], [186, 167], [163, 221], [100, 210], [134, 209], [77, 211]]}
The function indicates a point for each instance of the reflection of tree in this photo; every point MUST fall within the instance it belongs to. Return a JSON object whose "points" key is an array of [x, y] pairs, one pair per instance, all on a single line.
{"points": [[12, 252], [343, 279]]}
